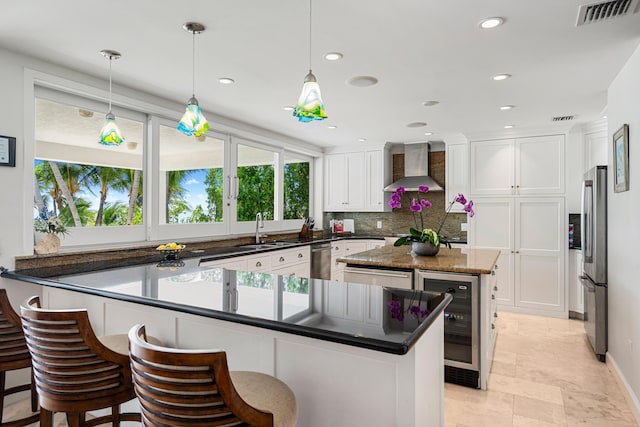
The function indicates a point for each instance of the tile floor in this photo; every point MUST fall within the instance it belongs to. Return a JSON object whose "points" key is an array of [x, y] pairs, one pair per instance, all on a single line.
{"points": [[544, 373]]}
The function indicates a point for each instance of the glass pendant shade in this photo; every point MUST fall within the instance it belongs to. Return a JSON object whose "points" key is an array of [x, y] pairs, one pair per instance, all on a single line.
{"points": [[110, 134], [310, 106], [193, 123]]}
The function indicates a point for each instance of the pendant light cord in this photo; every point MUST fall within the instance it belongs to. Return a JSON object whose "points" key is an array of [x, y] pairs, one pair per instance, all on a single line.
{"points": [[310, 23], [193, 65], [110, 60]]}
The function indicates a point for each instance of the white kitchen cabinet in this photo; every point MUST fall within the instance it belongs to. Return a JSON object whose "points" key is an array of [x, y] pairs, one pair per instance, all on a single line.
{"points": [[293, 261], [352, 247], [520, 167], [354, 302], [595, 149], [345, 189], [488, 316], [576, 294], [337, 268], [457, 173], [234, 263], [375, 244], [378, 175], [529, 232], [354, 181]]}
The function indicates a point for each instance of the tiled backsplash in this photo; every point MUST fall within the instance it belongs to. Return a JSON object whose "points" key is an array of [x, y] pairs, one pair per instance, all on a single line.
{"points": [[399, 220]]}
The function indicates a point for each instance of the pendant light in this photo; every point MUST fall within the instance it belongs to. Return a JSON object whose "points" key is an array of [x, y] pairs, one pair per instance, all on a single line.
{"points": [[193, 122], [310, 106], [110, 134]]}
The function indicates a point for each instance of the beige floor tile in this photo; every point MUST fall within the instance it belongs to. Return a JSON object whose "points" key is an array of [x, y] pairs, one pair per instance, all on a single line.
{"points": [[589, 406], [507, 369], [520, 421], [504, 356], [539, 410], [526, 388]]}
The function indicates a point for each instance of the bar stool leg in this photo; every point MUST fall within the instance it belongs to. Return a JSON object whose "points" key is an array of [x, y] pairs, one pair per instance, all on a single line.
{"points": [[34, 394], [46, 418], [2, 381]]}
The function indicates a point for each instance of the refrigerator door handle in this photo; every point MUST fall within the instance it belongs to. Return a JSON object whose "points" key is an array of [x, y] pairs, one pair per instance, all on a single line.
{"points": [[587, 220], [587, 284]]}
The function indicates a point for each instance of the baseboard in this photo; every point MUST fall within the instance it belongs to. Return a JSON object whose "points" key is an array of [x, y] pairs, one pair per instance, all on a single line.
{"points": [[629, 395]]}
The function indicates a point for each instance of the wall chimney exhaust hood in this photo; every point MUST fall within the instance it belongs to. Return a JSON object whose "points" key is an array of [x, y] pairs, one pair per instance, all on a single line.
{"points": [[416, 169]]}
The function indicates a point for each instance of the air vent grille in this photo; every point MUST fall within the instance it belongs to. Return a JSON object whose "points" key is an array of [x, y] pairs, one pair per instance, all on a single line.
{"points": [[562, 118], [596, 12]]}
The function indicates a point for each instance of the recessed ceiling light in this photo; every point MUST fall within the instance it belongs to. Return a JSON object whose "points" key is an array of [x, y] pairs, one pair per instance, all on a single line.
{"points": [[430, 103], [428, 133], [226, 80], [287, 108], [416, 125], [362, 81], [332, 127], [507, 107], [508, 126], [333, 56], [499, 77], [362, 139], [491, 23], [85, 113]]}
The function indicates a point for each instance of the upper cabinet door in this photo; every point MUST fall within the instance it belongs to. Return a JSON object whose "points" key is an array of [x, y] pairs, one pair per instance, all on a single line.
{"points": [[457, 173], [492, 167], [540, 165], [355, 181], [375, 181], [335, 194]]}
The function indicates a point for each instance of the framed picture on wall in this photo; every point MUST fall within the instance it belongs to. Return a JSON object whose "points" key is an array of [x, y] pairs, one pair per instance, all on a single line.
{"points": [[7, 151], [621, 159]]}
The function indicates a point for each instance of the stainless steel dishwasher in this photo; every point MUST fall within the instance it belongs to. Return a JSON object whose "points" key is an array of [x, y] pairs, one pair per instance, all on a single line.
{"points": [[321, 260]]}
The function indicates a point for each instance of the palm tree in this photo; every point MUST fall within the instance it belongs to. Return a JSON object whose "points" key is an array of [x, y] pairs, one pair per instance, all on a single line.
{"points": [[133, 177], [176, 191], [64, 189], [106, 177]]}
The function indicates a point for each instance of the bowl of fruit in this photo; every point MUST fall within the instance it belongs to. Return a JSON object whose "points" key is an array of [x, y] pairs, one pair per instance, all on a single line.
{"points": [[170, 250]]}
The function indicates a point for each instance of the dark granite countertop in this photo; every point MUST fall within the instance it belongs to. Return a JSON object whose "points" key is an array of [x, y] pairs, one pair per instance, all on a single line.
{"points": [[288, 304]]}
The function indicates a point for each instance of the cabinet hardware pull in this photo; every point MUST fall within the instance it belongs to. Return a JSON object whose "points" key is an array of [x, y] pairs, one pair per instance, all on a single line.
{"points": [[495, 267], [493, 296], [281, 259], [258, 264], [493, 273], [495, 288], [495, 314], [300, 255], [237, 189], [229, 196], [493, 326], [378, 273]]}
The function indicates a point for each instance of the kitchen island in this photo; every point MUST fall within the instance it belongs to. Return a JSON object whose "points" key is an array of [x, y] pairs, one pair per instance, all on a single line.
{"points": [[468, 275], [337, 345]]}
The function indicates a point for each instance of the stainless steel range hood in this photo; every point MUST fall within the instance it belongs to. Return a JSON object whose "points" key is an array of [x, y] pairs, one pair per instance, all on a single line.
{"points": [[416, 169]]}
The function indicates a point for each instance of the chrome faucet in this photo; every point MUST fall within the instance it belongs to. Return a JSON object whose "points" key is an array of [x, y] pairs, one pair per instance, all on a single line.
{"points": [[259, 224]]}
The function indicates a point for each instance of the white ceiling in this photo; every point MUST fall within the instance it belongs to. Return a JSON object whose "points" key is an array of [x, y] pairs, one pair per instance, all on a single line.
{"points": [[419, 50]]}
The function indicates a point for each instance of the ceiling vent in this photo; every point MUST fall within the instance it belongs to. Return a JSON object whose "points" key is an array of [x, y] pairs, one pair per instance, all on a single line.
{"points": [[562, 118], [597, 12]]}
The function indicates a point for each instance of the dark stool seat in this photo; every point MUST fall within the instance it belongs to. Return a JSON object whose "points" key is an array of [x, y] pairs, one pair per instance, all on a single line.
{"points": [[14, 355]]}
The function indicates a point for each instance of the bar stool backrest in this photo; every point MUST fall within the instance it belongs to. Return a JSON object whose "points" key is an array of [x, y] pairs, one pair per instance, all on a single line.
{"points": [[187, 388], [14, 353]]}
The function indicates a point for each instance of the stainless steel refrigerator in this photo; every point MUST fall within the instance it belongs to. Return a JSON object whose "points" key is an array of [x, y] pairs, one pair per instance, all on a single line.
{"points": [[594, 256]]}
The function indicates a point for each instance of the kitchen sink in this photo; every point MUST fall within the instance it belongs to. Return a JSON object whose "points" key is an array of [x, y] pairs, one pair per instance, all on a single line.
{"points": [[269, 245]]}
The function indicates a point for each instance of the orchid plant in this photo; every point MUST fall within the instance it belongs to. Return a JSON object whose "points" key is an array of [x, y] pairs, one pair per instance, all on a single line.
{"points": [[46, 223], [415, 310], [417, 205]]}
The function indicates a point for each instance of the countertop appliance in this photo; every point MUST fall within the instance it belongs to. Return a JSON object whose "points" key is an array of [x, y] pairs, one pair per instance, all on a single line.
{"points": [[321, 260], [393, 278], [462, 324], [594, 255]]}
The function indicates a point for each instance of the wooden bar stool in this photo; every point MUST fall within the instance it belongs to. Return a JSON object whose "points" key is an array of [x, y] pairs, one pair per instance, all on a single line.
{"points": [[74, 372], [195, 388], [14, 355]]}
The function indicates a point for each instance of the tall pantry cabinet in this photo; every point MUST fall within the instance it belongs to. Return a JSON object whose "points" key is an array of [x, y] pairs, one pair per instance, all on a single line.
{"points": [[517, 186]]}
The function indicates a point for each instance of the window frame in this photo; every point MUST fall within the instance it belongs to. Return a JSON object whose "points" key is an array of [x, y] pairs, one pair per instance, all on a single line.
{"points": [[156, 110]]}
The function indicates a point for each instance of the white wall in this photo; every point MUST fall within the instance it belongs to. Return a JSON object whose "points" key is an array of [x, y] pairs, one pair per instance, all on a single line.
{"points": [[624, 229]]}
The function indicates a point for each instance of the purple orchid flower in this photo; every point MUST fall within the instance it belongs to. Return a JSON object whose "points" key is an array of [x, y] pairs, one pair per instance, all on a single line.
{"points": [[468, 208], [415, 206], [401, 190], [423, 188], [425, 203], [414, 310], [461, 199]]}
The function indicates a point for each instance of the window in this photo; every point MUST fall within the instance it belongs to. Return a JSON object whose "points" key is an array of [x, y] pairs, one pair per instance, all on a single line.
{"points": [[296, 187], [256, 183], [191, 171], [77, 179]]}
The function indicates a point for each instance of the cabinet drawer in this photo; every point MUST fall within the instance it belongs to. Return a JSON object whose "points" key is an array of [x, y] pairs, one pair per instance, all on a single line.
{"points": [[290, 256], [337, 248], [259, 263]]}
